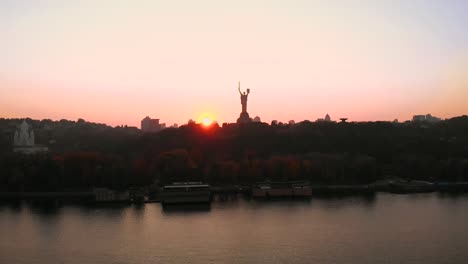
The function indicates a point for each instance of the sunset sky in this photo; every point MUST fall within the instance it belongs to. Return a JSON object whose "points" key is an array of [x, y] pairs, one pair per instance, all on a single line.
{"points": [[115, 62]]}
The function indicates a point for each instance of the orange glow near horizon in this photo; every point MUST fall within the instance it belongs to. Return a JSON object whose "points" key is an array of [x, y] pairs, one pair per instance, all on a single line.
{"points": [[111, 63], [206, 119]]}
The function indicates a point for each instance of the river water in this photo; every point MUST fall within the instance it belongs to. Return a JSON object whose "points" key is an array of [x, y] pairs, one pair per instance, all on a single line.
{"points": [[386, 228]]}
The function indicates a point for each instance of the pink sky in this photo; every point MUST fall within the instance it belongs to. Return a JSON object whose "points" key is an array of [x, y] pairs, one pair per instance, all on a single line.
{"points": [[116, 63]]}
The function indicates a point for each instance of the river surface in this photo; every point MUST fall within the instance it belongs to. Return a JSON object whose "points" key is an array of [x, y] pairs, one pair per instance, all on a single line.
{"points": [[386, 228]]}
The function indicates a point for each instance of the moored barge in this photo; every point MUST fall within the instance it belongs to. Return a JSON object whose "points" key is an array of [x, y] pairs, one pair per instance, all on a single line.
{"points": [[185, 193], [282, 189]]}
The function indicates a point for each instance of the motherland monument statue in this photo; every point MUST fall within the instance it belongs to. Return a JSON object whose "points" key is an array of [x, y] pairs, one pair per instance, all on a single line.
{"points": [[244, 116]]}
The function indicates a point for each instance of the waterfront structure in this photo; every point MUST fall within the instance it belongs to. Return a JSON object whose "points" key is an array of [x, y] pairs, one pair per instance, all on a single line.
{"points": [[185, 192], [137, 195], [282, 189], [404, 186], [244, 115], [24, 140], [108, 195], [151, 125]]}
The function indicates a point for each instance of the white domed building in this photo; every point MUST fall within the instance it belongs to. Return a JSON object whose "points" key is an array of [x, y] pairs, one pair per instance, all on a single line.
{"points": [[24, 141]]}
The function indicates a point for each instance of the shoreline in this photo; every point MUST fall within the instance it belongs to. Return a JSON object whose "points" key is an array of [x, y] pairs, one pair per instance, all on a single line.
{"points": [[322, 189]]}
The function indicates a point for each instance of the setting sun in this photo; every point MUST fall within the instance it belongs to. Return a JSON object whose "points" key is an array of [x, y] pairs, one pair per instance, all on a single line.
{"points": [[207, 121]]}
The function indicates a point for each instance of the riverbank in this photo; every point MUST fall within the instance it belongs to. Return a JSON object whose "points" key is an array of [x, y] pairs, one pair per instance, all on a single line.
{"points": [[28, 195], [392, 187], [384, 186]]}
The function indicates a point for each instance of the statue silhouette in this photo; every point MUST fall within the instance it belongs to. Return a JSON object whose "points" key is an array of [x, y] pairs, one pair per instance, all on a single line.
{"points": [[244, 96]]}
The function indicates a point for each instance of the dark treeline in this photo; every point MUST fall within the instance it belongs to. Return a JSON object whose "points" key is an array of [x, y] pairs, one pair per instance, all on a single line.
{"points": [[84, 155]]}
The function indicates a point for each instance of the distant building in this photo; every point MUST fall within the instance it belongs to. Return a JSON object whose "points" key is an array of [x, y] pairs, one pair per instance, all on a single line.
{"points": [[326, 119], [151, 125], [23, 141], [292, 122], [257, 119], [24, 135], [430, 118], [426, 118], [419, 118], [274, 122]]}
